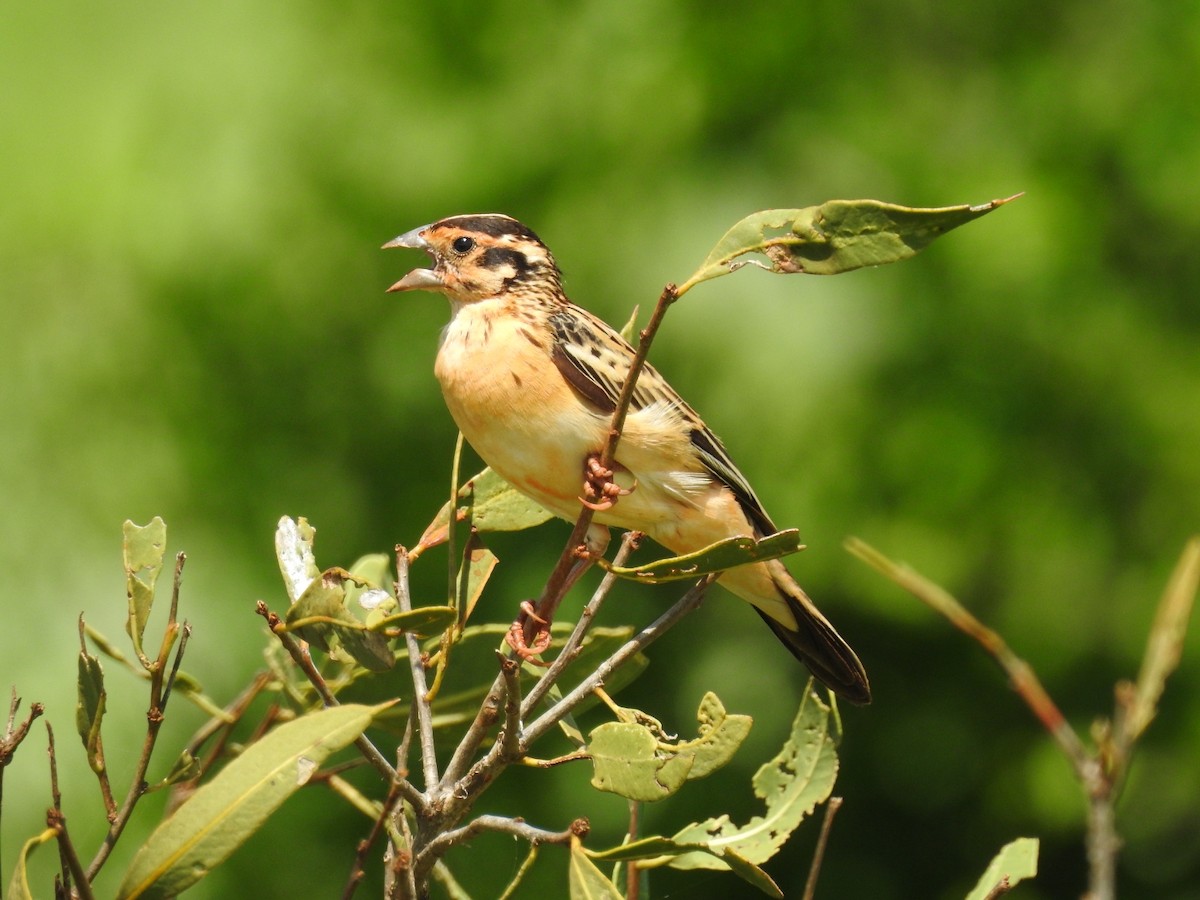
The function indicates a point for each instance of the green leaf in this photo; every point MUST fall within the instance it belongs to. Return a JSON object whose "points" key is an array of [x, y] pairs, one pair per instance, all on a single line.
{"points": [[585, 880], [1164, 646], [477, 566], [18, 887], [1016, 861], [224, 813], [143, 549], [630, 327], [423, 620], [90, 702], [721, 734], [492, 505], [628, 760], [791, 784], [726, 554], [324, 600], [662, 848], [836, 236], [294, 550]]}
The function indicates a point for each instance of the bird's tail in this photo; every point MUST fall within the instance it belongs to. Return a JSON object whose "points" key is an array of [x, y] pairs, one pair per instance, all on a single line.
{"points": [[814, 641]]}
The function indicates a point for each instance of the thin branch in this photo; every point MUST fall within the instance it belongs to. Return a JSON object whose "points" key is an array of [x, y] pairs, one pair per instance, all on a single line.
{"points": [[56, 820], [510, 739], [814, 871], [416, 666], [574, 642], [14, 735], [515, 827], [364, 846]]}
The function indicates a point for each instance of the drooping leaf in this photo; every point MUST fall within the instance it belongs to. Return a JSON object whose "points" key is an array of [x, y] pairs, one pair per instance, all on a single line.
{"points": [[477, 566], [585, 880], [143, 546], [726, 554], [663, 848], [91, 699], [321, 610], [221, 815], [1016, 861], [18, 886], [836, 236], [294, 550], [424, 620], [791, 784], [492, 504]]}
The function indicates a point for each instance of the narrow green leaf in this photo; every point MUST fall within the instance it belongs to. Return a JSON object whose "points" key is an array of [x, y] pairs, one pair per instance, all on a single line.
{"points": [[791, 784], [492, 505], [185, 768], [294, 550], [1016, 861], [661, 849], [836, 236], [222, 814], [726, 554], [1165, 643], [18, 886], [424, 620], [630, 328], [585, 880], [477, 566], [143, 546], [324, 600], [90, 703]]}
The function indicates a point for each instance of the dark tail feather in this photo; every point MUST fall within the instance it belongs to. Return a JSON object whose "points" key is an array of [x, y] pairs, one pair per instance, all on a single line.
{"points": [[822, 649]]}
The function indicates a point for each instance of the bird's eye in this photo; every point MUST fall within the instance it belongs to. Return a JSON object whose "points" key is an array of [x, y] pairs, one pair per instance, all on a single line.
{"points": [[463, 244]]}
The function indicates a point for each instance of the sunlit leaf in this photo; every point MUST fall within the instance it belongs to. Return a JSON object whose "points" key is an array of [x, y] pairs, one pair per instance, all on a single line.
{"points": [[321, 609], [586, 881], [477, 566], [628, 760], [726, 554], [18, 886], [662, 849], [221, 815], [294, 550], [1016, 861], [791, 784], [836, 236], [492, 505], [720, 735], [144, 546], [424, 620]]}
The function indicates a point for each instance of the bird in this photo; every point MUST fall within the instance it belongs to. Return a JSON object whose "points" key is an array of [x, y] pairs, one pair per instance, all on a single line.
{"points": [[532, 381]]}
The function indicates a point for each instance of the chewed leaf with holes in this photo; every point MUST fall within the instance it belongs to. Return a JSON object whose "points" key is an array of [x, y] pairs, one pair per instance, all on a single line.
{"points": [[726, 554], [836, 236]]}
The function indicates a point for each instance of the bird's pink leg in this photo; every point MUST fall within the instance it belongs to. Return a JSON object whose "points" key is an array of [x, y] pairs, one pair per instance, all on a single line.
{"points": [[600, 491]]}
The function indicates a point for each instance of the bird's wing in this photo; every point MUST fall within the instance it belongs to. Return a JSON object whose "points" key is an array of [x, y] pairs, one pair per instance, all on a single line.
{"points": [[595, 361]]}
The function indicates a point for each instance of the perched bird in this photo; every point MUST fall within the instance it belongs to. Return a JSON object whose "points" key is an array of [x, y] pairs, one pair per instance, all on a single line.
{"points": [[532, 381]]}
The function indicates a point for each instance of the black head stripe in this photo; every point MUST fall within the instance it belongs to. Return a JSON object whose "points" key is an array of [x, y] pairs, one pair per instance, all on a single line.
{"points": [[492, 225], [495, 257]]}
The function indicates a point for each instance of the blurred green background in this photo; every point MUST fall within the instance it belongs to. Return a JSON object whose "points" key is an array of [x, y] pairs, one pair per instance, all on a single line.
{"points": [[193, 325]]}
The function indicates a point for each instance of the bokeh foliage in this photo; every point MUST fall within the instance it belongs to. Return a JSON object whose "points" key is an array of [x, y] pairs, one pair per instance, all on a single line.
{"points": [[192, 325]]}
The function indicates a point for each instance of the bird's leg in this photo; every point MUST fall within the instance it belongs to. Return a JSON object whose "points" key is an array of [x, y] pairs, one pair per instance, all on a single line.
{"points": [[529, 635], [600, 489]]}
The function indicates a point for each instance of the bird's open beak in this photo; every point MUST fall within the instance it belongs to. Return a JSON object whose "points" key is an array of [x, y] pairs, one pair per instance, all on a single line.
{"points": [[417, 279]]}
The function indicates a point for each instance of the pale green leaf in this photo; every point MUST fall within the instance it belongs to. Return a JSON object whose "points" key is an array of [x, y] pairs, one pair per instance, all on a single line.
{"points": [[1165, 643], [586, 881], [791, 784], [90, 702], [726, 554], [321, 609], [424, 620], [477, 566], [224, 813], [628, 760], [630, 327], [492, 505], [661, 849], [18, 886], [143, 547], [1016, 861], [836, 236], [720, 735], [294, 550]]}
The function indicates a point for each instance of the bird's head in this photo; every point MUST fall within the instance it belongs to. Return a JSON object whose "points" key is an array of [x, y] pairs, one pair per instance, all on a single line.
{"points": [[477, 257]]}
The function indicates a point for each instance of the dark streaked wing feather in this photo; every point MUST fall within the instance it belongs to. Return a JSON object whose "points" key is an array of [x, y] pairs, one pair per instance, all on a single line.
{"points": [[595, 360]]}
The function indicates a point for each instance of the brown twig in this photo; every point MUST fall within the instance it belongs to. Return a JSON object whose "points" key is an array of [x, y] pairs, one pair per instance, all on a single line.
{"points": [[416, 666], [814, 870], [14, 734], [72, 868], [364, 846]]}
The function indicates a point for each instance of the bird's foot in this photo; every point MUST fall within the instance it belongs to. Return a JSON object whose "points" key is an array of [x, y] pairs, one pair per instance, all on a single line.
{"points": [[532, 646], [600, 490]]}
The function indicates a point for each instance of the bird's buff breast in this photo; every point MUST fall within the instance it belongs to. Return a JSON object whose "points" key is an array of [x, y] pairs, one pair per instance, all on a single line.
{"points": [[508, 399]]}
